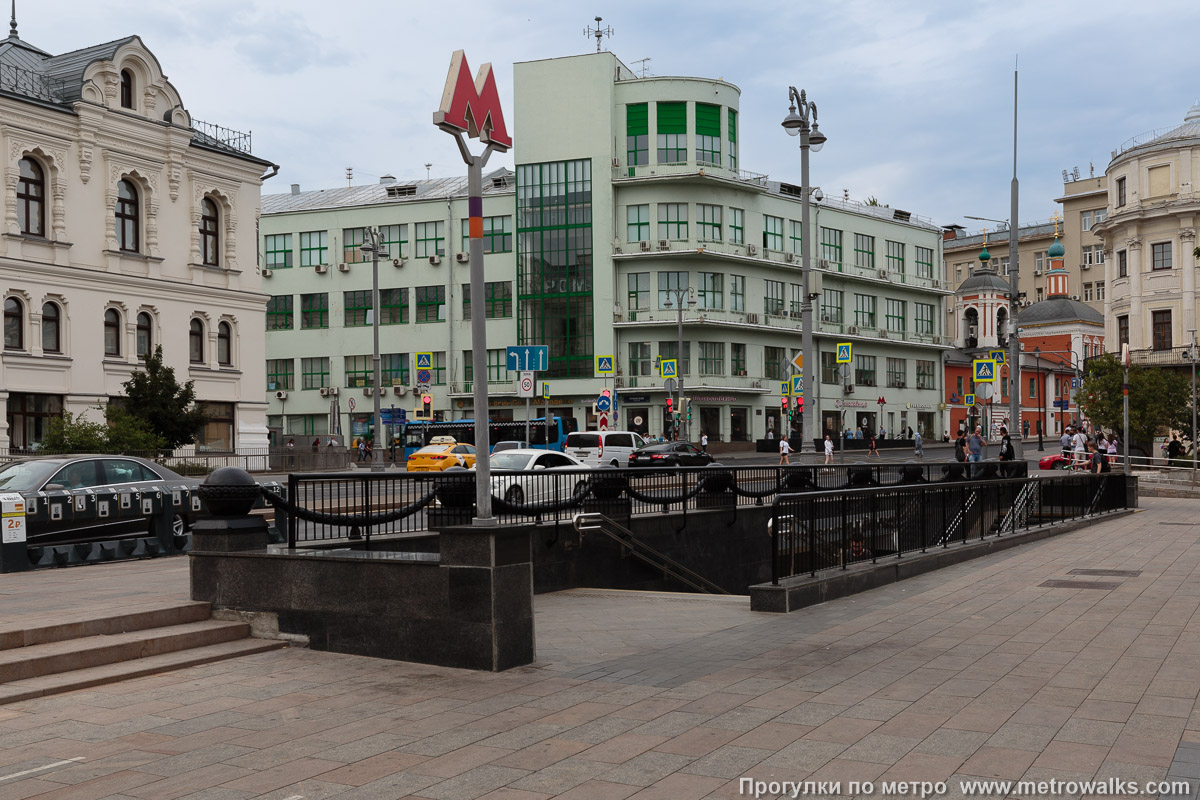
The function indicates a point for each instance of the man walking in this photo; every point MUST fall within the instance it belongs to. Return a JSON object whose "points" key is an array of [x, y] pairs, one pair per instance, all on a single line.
{"points": [[703, 442], [918, 445], [975, 448]]}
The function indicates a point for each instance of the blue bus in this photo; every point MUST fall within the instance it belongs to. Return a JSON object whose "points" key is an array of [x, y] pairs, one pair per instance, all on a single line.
{"points": [[417, 434]]}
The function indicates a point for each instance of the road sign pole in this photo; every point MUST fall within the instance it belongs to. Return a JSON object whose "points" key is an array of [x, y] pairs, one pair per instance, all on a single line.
{"points": [[527, 399]]}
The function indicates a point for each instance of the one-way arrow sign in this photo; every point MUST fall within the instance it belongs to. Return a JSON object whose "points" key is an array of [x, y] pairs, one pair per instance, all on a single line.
{"points": [[528, 358]]}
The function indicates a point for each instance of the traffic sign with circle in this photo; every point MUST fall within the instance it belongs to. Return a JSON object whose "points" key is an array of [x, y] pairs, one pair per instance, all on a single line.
{"points": [[526, 384], [351, 403], [603, 403], [424, 376]]}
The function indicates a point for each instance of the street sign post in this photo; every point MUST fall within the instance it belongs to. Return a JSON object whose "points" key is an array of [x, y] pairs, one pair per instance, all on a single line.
{"points": [[526, 385], [843, 353], [668, 367], [605, 365], [527, 358]]}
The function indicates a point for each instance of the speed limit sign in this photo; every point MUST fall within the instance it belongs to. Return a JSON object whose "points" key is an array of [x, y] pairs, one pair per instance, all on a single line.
{"points": [[526, 384]]}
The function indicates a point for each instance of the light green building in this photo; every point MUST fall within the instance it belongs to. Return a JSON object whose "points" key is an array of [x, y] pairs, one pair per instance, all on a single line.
{"points": [[626, 191]]}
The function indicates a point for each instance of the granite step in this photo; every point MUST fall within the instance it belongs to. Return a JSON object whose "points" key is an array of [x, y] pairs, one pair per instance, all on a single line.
{"points": [[57, 626]]}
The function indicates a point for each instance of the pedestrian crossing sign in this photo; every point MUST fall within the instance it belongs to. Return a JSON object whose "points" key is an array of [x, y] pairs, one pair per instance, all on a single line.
{"points": [[843, 353], [798, 386], [666, 368], [984, 369], [785, 388], [424, 360], [997, 356], [604, 365], [970, 400]]}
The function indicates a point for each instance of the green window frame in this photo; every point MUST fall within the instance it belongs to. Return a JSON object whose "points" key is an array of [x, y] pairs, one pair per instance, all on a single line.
{"points": [[864, 370], [279, 313], [637, 135], [708, 222], [712, 358], [926, 375], [672, 133], [638, 220], [774, 362], [497, 234], [894, 315], [497, 299], [673, 221], [737, 226], [393, 306], [395, 240], [439, 368], [278, 249], [797, 301], [864, 310], [772, 238], [772, 297], [670, 284], [356, 308], [710, 293], [393, 369], [737, 293], [314, 310], [924, 261], [314, 248], [895, 257], [639, 359], [737, 358], [281, 374], [732, 133], [708, 134], [923, 319], [897, 372], [638, 284], [669, 350], [830, 370], [431, 304], [831, 246], [864, 251], [497, 366], [430, 239], [352, 242], [797, 236], [832, 305], [314, 372], [359, 371]]}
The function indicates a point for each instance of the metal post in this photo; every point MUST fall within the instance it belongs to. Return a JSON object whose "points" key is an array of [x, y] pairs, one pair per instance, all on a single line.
{"points": [[806, 317], [376, 454], [1192, 353], [679, 364], [528, 441], [1014, 345], [1125, 414]]}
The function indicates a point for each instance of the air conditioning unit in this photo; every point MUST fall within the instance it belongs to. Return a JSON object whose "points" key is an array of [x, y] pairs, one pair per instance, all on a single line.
{"points": [[741, 373], [756, 384], [616, 163], [618, 317], [937, 340], [382, 391], [645, 247], [937, 284], [883, 334], [883, 273], [435, 260], [281, 395], [664, 244], [789, 257], [368, 391], [322, 269], [1037, 272], [617, 248], [399, 391], [852, 330], [343, 267], [266, 273], [752, 319], [848, 388], [333, 390], [462, 258], [1085, 266], [397, 262], [823, 263], [1074, 297], [325, 391], [752, 249]]}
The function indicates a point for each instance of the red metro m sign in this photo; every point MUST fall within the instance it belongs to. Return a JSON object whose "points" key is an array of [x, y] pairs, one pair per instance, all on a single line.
{"points": [[472, 107]]}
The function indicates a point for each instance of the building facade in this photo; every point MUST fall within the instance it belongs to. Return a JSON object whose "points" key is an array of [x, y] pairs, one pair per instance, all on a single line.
{"points": [[127, 225]]}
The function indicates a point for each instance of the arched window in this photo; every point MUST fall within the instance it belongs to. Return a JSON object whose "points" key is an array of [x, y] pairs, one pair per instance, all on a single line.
{"points": [[224, 345], [31, 193], [51, 328], [145, 335], [126, 89], [127, 219], [196, 342], [208, 233], [14, 324], [112, 333]]}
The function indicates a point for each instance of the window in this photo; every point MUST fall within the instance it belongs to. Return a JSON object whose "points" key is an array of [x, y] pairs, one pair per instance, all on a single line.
{"points": [[864, 310], [831, 245], [126, 89], [31, 194], [924, 259], [797, 295], [281, 374], [224, 344], [1039, 261], [14, 324], [708, 221], [395, 240], [497, 369], [497, 235], [145, 335], [737, 292], [673, 221], [923, 319], [1099, 290], [279, 313], [796, 235], [831, 306], [737, 358], [352, 242], [831, 371], [671, 286], [864, 251], [314, 373], [112, 331], [1092, 254], [196, 342], [393, 306], [1085, 219], [356, 308], [712, 358], [1004, 266], [672, 133], [710, 295], [1161, 329], [1039, 293], [393, 369], [639, 358], [894, 315], [959, 386], [1120, 192], [1100, 215], [774, 363], [359, 371], [51, 328], [430, 239], [864, 370], [1122, 330], [773, 297], [127, 218], [639, 291], [208, 233], [314, 310], [217, 433], [637, 136], [497, 300], [895, 257], [708, 134], [279, 251], [737, 226], [668, 350], [314, 245], [1087, 293], [897, 372], [1033, 388], [772, 233], [1162, 255], [1122, 263], [926, 375], [638, 221], [732, 139], [431, 302]]}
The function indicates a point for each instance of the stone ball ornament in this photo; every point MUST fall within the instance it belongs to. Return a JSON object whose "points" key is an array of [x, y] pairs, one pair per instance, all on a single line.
{"points": [[229, 492]]}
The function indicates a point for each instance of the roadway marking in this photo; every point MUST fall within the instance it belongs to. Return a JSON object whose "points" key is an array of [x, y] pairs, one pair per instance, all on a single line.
{"points": [[43, 769]]}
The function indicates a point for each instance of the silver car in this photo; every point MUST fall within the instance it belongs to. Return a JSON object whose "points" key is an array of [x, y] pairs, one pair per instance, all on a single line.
{"points": [[546, 484]]}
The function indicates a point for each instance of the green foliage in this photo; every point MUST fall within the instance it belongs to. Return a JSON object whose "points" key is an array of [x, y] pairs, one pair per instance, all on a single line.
{"points": [[120, 433], [169, 409], [1159, 399]]}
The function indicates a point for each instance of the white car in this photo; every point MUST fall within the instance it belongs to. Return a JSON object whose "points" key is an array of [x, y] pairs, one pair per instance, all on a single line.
{"points": [[546, 487], [603, 448]]}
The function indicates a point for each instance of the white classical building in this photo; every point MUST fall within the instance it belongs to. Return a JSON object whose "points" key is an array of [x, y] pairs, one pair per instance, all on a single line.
{"points": [[127, 225]]}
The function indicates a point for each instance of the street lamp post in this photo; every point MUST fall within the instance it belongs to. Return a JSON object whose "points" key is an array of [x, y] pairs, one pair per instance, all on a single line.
{"points": [[811, 137], [1192, 353], [373, 244], [679, 294], [1037, 358]]}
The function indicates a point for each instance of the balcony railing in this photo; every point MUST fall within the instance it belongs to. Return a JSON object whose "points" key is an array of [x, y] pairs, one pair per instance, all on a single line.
{"points": [[625, 172], [32, 84], [225, 137]]}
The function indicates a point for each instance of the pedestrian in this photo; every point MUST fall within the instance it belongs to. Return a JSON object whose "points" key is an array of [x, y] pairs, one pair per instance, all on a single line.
{"points": [[828, 449], [316, 445], [1026, 424], [871, 447], [882, 432], [960, 447], [291, 453], [976, 450], [784, 449], [362, 449], [1112, 448], [703, 442], [1097, 463], [1174, 448], [1079, 442], [1007, 453], [859, 433], [1065, 442], [918, 444], [770, 434], [910, 432]]}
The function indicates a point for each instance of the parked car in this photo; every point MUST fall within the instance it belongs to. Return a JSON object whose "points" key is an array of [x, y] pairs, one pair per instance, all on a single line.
{"points": [[437, 457], [500, 447], [545, 487], [1054, 461], [112, 473], [669, 454], [597, 448]]}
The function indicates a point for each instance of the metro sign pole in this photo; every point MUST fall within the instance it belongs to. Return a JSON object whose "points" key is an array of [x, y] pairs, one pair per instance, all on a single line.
{"points": [[473, 109]]}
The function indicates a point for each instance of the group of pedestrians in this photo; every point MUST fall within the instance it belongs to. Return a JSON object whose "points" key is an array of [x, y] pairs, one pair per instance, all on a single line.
{"points": [[1078, 448]]}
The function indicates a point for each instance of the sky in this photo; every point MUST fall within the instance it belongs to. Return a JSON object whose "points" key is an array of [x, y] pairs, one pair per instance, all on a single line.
{"points": [[916, 97]]}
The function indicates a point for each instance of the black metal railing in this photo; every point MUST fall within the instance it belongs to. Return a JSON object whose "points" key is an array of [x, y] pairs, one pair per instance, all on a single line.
{"points": [[824, 530], [32, 84], [226, 137]]}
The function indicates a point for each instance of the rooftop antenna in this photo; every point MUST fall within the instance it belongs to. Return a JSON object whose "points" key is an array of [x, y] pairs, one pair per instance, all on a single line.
{"points": [[1066, 176], [597, 32], [12, 25], [1091, 170], [349, 176], [642, 62], [1075, 173], [427, 166]]}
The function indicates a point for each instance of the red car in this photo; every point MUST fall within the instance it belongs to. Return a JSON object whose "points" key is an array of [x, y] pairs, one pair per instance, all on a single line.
{"points": [[1056, 461]]}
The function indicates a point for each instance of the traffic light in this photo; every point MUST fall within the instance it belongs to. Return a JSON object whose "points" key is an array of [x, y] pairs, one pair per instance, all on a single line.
{"points": [[606, 393], [425, 409], [783, 404], [670, 403]]}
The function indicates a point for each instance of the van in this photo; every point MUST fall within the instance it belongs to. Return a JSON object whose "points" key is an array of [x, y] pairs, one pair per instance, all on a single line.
{"points": [[603, 448]]}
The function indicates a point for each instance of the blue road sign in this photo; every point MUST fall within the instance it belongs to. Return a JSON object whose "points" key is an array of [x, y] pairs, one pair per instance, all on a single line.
{"points": [[603, 403], [797, 386], [424, 360], [424, 376], [997, 356], [527, 358], [604, 365], [985, 370], [1065, 405], [969, 400], [666, 368], [843, 353]]}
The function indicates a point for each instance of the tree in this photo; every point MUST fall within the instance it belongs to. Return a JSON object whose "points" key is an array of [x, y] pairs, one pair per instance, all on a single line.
{"points": [[73, 433], [1159, 399], [171, 411]]}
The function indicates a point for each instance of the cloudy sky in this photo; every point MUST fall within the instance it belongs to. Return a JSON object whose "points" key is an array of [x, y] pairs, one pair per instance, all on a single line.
{"points": [[915, 95]]}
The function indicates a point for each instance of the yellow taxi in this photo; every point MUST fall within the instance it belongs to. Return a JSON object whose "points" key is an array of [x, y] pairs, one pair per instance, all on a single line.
{"points": [[438, 456]]}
